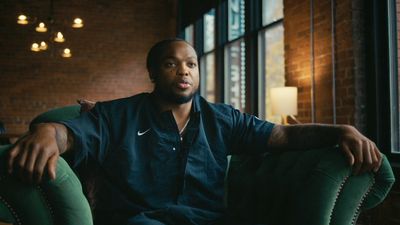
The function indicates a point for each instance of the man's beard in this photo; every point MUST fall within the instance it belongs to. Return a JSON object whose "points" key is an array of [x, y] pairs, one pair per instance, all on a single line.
{"points": [[171, 97]]}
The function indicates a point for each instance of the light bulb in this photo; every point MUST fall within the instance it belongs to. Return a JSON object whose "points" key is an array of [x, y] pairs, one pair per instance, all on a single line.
{"points": [[43, 45], [35, 47], [66, 53], [59, 37], [22, 19], [41, 27], [78, 23]]}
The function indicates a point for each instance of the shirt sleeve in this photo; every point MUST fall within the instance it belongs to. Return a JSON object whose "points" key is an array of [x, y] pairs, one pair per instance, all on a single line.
{"points": [[91, 135], [250, 134]]}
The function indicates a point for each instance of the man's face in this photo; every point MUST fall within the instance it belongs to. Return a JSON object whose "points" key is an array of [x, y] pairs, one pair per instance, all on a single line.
{"points": [[177, 77]]}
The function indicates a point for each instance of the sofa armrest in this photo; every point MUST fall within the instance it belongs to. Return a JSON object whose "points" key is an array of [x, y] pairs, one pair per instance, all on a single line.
{"points": [[60, 201], [305, 187], [363, 192]]}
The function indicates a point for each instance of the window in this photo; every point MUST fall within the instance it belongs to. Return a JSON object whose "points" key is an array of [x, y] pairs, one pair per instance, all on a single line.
{"points": [[235, 77], [271, 56], [209, 30], [189, 34], [383, 76], [208, 89], [234, 57], [207, 61], [272, 11], [227, 36], [394, 70], [236, 19], [272, 63]]}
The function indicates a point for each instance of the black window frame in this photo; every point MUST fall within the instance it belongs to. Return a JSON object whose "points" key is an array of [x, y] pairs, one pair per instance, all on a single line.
{"points": [[381, 56], [253, 25]]}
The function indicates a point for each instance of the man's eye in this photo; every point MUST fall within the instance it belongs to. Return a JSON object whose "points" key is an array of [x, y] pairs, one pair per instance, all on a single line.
{"points": [[192, 65], [170, 64]]}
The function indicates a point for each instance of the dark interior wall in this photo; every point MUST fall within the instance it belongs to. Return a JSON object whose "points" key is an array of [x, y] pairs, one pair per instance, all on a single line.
{"points": [[108, 54]]}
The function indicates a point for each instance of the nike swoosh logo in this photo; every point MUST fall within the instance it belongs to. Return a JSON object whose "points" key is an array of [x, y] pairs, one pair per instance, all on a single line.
{"points": [[142, 133]]}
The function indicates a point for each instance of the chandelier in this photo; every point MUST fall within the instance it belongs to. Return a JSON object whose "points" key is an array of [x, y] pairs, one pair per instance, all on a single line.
{"points": [[47, 26]]}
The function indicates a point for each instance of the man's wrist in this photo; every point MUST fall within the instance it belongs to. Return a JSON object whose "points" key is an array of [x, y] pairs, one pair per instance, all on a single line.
{"points": [[342, 130], [43, 127]]}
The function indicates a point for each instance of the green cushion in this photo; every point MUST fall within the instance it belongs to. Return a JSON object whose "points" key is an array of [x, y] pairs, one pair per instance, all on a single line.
{"points": [[306, 187], [5, 213], [60, 201]]}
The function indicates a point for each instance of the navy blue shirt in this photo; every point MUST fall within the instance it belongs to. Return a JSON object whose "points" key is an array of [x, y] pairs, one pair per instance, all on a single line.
{"points": [[145, 165]]}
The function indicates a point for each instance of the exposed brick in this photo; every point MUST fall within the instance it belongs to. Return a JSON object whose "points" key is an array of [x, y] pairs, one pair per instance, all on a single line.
{"points": [[108, 54], [298, 62]]}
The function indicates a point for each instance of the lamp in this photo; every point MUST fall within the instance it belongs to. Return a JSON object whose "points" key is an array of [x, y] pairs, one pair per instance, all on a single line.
{"points": [[284, 102]]}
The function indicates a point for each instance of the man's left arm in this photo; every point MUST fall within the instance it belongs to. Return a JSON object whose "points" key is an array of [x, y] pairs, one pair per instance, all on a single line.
{"points": [[362, 153]]}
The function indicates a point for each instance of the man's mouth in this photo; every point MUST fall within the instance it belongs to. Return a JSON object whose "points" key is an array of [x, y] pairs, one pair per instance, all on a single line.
{"points": [[183, 84]]}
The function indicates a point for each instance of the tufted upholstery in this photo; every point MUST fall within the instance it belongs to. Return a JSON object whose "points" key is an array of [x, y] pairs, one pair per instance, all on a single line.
{"points": [[312, 187], [59, 202], [292, 188]]}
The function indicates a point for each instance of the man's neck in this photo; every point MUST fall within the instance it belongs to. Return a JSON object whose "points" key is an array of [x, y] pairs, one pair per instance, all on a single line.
{"points": [[181, 112]]}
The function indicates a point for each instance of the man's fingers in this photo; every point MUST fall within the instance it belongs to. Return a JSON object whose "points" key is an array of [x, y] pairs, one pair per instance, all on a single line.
{"points": [[40, 164], [12, 156], [358, 157], [20, 164], [367, 162], [379, 157], [52, 165], [375, 160], [348, 154], [30, 162]]}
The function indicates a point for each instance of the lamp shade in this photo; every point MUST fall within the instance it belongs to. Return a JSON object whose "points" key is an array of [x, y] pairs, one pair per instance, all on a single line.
{"points": [[284, 100]]}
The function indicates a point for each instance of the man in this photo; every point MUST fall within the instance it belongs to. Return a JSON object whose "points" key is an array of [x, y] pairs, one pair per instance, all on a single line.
{"points": [[161, 157]]}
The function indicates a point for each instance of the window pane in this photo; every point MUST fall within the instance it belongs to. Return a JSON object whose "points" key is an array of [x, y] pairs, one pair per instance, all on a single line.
{"points": [[208, 77], [394, 41], [235, 18], [209, 30], [235, 79], [272, 68], [272, 11], [189, 34]]}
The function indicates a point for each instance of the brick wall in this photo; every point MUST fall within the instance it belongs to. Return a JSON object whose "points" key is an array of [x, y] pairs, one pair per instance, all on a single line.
{"points": [[298, 62], [108, 54]]}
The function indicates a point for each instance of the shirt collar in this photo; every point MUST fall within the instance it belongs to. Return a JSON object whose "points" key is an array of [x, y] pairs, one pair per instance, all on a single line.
{"points": [[195, 104]]}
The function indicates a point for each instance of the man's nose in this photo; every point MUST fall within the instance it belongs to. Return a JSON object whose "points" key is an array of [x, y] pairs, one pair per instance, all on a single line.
{"points": [[183, 70]]}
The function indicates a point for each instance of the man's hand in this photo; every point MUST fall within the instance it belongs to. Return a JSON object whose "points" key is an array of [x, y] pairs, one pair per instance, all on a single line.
{"points": [[34, 153], [362, 153]]}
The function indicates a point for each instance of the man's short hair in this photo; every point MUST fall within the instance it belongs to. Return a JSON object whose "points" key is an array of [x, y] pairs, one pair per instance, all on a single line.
{"points": [[153, 57]]}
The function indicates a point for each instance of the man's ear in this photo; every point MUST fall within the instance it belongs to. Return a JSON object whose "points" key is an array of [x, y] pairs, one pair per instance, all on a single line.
{"points": [[152, 78], [152, 75]]}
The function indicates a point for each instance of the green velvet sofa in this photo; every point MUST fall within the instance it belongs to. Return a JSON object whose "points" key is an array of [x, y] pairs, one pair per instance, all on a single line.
{"points": [[312, 187]]}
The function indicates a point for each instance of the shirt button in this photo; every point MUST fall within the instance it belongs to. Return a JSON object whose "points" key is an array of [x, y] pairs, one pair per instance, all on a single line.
{"points": [[174, 148]]}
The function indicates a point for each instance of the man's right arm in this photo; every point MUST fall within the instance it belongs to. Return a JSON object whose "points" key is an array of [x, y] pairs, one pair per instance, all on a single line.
{"points": [[39, 150]]}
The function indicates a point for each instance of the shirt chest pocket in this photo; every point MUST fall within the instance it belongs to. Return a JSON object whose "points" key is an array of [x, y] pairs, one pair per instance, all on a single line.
{"points": [[163, 158]]}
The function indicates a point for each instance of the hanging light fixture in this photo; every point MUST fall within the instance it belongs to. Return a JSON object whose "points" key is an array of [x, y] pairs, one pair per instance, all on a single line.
{"points": [[56, 38]]}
